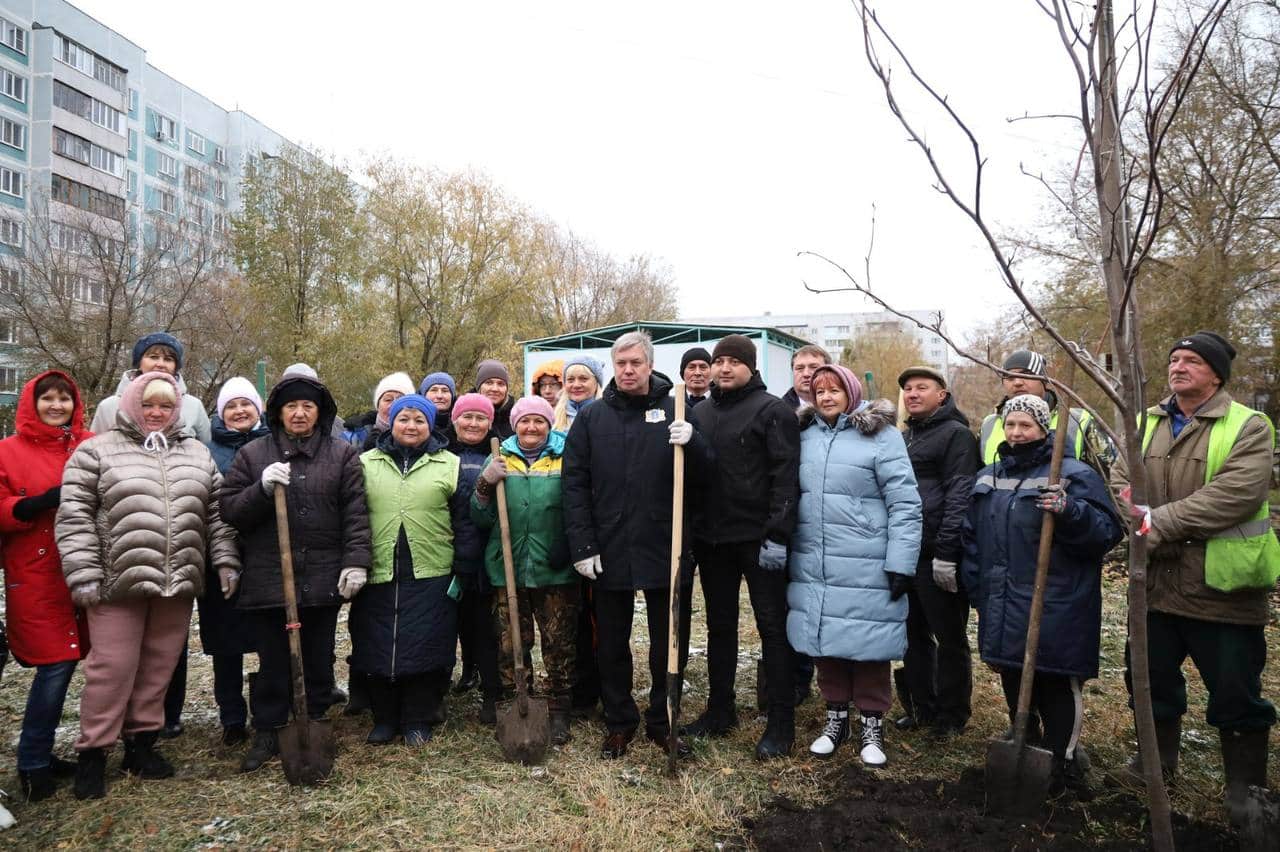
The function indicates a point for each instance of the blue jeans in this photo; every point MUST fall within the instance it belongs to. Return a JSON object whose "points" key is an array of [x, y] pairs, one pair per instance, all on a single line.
{"points": [[44, 712]]}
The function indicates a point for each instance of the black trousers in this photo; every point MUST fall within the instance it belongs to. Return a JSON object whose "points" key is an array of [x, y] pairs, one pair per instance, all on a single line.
{"points": [[407, 702], [176, 695], [722, 568], [936, 680], [1057, 699], [614, 611], [586, 670], [475, 632], [273, 687]]}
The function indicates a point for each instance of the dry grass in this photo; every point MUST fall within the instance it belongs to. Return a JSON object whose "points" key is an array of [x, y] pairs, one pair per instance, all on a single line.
{"points": [[458, 792]]}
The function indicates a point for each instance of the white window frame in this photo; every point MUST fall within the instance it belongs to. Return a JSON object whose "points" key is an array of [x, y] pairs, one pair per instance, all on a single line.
{"points": [[13, 85], [166, 128], [77, 56], [219, 155], [13, 35], [196, 180], [161, 159], [8, 330], [220, 189], [166, 202], [11, 182], [10, 278], [8, 379], [13, 133], [133, 100], [196, 142], [11, 232]]}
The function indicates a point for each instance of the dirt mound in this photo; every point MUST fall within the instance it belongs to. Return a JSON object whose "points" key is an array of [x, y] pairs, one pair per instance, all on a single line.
{"points": [[881, 814]]}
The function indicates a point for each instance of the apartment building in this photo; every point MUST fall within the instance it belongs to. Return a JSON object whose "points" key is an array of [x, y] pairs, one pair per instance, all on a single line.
{"points": [[87, 126]]}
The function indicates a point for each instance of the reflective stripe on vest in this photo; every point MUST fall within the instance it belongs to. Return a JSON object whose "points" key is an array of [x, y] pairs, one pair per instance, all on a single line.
{"points": [[1246, 555], [992, 434]]}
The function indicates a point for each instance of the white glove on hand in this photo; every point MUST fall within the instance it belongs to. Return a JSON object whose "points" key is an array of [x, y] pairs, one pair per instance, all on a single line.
{"points": [[351, 581], [681, 431], [495, 471], [773, 556], [86, 595], [944, 575], [229, 578], [276, 473], [589, 568]]}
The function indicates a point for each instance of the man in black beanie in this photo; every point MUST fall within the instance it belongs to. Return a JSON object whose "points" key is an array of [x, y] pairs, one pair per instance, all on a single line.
{"points": [[1213, 560], [695, 372]]}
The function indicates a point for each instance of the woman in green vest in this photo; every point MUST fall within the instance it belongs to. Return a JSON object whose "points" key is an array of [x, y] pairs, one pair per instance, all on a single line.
{"points": [[546, 585], [404, 624]]}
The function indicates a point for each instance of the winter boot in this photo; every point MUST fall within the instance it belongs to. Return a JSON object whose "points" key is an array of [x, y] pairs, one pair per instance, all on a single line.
{"points": [[91, 771], [142, 759], [357, 694], [488, 709], [233, 735], [559, 711], [1244, 763], [62, 769], [872, 753], [266, 745], [835, 732], [712, 723], [779, 737], [384, 704], [1168, 741], [417, 736], [1069, 775], [37, 784]]}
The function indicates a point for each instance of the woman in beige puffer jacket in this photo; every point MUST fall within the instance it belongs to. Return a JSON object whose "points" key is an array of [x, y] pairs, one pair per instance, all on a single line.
{"points": [[139, 512]]}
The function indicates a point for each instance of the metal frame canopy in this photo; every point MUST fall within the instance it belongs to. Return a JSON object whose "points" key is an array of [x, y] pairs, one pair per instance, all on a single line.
{"points": [[661, 332]]}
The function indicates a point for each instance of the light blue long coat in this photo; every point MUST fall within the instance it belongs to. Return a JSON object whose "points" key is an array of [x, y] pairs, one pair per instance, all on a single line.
{"points": [[859, 517]]}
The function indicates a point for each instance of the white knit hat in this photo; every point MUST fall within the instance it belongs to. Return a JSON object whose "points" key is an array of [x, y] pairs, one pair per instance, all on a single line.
{"points": [[396, 382], [238, 387]]}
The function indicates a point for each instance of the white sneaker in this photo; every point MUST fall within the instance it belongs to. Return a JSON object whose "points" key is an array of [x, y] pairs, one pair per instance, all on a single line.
{"points": [[835, 732], [872, 753], [6, 818]]}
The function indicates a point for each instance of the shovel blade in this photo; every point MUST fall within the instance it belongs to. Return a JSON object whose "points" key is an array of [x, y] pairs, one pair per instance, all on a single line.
{"points": [[307, 750], [524, 737], [1017, 779]]}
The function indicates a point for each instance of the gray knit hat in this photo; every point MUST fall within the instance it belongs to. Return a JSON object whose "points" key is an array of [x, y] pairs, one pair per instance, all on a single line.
{"points": [[1033, 405], [1026, 361]]}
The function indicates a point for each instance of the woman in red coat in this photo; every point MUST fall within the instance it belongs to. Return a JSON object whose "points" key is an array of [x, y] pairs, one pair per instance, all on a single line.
{"points": [[44, 630]]}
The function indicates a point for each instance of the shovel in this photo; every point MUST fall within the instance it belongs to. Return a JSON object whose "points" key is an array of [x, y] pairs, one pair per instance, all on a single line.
{"points": [[1018, 775], [524, 725], [307, 748], [673, 614]]}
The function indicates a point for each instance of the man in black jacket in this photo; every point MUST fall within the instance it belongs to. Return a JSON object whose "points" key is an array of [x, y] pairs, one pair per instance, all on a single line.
{"points": [[746, 514], [616, 481], [695, 372], [936, 681]]}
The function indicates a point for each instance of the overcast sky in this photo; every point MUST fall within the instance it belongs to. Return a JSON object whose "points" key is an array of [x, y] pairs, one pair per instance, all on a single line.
{"points": [[722, 137]]}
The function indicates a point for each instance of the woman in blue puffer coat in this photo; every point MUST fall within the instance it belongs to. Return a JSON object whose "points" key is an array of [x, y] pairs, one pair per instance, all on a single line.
{"points": [[998, 569], [853, 555]]}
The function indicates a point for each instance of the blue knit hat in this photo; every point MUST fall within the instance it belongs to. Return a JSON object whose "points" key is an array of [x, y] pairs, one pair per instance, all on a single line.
{"points": [[157, 338], [439, 379], [417, 401], [585, 360]]}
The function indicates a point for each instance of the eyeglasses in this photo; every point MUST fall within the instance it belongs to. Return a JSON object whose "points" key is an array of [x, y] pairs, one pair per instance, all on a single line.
{"points": [[549, 385]]}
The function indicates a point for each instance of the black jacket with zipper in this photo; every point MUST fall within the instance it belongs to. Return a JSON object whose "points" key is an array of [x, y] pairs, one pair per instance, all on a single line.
{"points": [[944, 454]]}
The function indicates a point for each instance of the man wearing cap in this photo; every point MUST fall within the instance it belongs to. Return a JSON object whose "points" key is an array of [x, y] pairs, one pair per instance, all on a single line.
{"points": [[695, 372], [746, 513], [164, 352], [936, 681], [1212, 558]]}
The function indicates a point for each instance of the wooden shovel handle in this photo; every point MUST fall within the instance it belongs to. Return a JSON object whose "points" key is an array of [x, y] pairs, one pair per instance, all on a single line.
{"points": [[292, 622], [513, 603], [677, 549]]}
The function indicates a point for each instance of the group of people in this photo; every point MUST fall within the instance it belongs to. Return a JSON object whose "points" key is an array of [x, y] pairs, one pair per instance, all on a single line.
{"points": [[865, 535]]}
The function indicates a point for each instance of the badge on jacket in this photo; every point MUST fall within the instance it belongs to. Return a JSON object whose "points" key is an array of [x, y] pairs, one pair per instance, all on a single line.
{"points": [[655, 415]]}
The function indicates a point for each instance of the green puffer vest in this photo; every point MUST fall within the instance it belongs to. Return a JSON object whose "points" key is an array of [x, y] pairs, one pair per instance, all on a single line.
{"points": [[418, 500]]}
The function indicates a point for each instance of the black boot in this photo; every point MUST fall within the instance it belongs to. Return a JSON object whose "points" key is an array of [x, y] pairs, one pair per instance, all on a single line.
{"points": [[357, 694], [558, 708], [835, 732], [1168, 742], [91, 774], [488, 709], [779, 737], [233, 735], [37, 784], [712, 723], [384, 703], [1244, 763], [1069, 775], [142, 759], [266, 745]]}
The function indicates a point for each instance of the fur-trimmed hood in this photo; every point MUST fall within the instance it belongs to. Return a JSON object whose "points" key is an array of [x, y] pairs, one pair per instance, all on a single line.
{"points": [[868, 419]]}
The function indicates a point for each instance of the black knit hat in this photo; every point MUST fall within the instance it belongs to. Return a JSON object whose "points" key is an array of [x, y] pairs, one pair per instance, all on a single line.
{"points": [[736, 346], [293, 389], [697, 353], [1026, 361], [1213, 348]]}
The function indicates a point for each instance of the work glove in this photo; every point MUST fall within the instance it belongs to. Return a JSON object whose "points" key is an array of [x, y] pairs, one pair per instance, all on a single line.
{"points": [[1140, 513], [86, 595], [589, 567], [681, 431], [351, 581], [229, 579], [1053, 499], [495, 471], [276, 473], [899, 585], [28, 508], [944, 575], [773, 556]]}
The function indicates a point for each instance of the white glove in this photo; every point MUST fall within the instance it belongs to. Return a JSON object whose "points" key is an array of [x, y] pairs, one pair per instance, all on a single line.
{"points": [[681, 431], [86, 595], [229, 578], [944, 575], [495, 471], [351, 581], [589, 568], [276, 473]]}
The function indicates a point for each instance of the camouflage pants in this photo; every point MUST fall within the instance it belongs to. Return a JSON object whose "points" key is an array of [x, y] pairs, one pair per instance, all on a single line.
{"points": [[555, 608]]}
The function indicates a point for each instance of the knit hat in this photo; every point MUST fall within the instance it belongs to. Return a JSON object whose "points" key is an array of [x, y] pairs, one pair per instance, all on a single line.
{"points": [[697, 353], [584, 360], [472, 402], [439, 379], [736, 346], [300, 369], [1030, 404], [295, 388], [532, 405], [131, 399], [921, 372], [553, 368], [852, 387], [394, 382], [238, 387], [1213, 348], [491, 369], [1026, 361], [157, 338], [413, 400]]}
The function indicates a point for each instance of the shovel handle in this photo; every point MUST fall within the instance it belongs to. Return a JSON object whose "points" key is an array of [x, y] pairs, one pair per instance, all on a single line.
{"points": [[292, 622], [673, 597], [513, 602], [1042, 571]]}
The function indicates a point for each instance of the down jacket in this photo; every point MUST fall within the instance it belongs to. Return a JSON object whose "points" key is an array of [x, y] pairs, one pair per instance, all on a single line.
{"points": [[859, 518], [42, 622], [1001, 540], [328, 518], [139, 521], [194, 422]]}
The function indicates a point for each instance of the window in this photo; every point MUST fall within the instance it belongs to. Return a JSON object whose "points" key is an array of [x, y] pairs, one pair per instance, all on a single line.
{"points": [[167, 165], [133, 100], [166, 202], [133, 181], [78, 103], [8, 379], [10, 279], [13, 86], [10, 182], [76, 56], [195, 179], [8, 331], [13, 35], [13, 134], [196, 143], [198, 213], [133, 145], [80, 288], [85, 197], [83, 151], [220, 189], [79, 241], [10, 233], [105, 72], [219, 223], [220, 155], [166, 128]]}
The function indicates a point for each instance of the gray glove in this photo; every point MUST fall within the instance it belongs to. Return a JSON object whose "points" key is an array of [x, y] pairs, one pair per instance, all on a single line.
{"points": [[773, 556], [86, 595], [276, 473], [590, 568], [944, 575]]}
